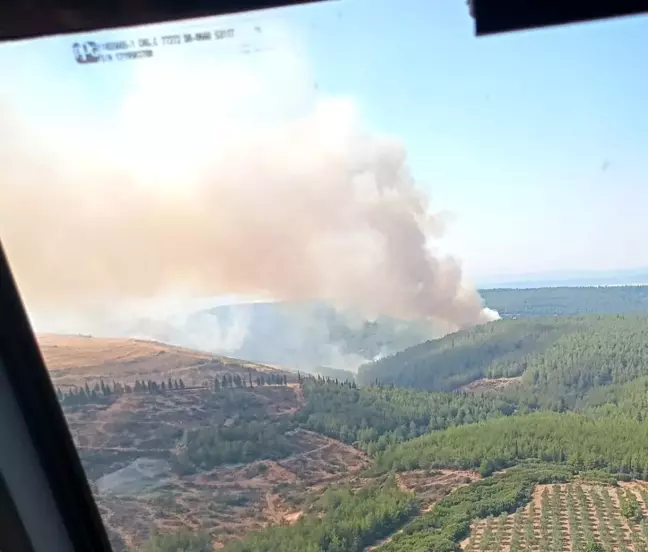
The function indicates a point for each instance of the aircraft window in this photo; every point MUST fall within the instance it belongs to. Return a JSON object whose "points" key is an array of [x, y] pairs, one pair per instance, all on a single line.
{"points": [[295, 273]]}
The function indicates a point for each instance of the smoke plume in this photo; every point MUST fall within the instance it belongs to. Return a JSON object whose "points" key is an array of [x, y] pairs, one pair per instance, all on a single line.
{"points": [[199, 201]]}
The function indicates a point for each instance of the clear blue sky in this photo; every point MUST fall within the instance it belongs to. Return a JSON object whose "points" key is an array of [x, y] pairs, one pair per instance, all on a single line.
{"points": [[536, 141]]}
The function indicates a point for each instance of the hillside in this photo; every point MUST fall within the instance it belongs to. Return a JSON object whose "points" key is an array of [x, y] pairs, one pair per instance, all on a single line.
{"points": [[75, 359], [316, 338], [192, 453], [559, 359], [567, 301], [299, 335], [493, 349], [212, 463]]}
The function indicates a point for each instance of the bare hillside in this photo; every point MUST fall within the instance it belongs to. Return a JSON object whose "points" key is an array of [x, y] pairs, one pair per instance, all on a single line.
{"points": [[74, 358]]}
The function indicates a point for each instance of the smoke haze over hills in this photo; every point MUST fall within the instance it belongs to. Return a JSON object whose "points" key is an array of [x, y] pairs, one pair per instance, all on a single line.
{"points": [[235, 185]]}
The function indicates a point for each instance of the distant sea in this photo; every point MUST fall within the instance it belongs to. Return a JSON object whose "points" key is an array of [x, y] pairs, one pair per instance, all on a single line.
{"points": [[632, 277]]}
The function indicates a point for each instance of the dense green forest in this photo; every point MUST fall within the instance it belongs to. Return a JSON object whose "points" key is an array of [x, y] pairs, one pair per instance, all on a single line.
{"points": [[615, 442], [341, 521], [560, 359], [497, 348], [206, 448], [374, 417], [567, 301]]}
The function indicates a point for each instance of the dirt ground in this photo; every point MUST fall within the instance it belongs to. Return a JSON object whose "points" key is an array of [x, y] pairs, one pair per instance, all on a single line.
{"points": [[228, 501], [74, 360], [490, 384], [601, 516], [232, 501], [430, 486], [143, 425]]}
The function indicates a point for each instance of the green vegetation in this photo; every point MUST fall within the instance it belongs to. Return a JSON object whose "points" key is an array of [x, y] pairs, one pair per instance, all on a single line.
{"points": [[602, 351], [245, 441], [335, 373], [101, 392], [630, 507], [596, 521], [496, 349], [578, 407], [448, 522], [567, 301], [560, 360], [341, 521], [616, 443], [374, 418]]}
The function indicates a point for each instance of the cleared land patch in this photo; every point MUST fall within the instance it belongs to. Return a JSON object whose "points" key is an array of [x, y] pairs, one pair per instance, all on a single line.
{"points": [[230, 501], [490, 384], [128, 448]]}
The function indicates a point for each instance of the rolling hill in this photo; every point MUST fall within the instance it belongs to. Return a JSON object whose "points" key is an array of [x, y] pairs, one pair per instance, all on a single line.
{"points": [[494, 349], [558, 360], [302, 336], [316, 338], [567, 301], [325, 465], [75, 359]]}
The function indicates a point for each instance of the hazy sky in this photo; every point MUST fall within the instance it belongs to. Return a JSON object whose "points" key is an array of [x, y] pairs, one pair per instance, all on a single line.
{"points": [[536, 142]]}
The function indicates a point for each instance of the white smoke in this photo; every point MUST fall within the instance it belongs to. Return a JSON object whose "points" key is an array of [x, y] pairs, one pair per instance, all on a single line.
{"points": [[229, 185]]}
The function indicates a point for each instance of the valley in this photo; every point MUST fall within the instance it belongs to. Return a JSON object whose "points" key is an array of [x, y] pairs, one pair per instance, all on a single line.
{"points": [[521, 434]]}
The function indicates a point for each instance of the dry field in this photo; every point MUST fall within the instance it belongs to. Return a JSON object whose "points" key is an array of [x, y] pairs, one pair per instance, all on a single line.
{"points": [[565, 518], [75, 359]]}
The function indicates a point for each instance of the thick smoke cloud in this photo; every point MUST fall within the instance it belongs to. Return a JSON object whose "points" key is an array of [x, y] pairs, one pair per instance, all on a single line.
{"points": [[205, 199]]}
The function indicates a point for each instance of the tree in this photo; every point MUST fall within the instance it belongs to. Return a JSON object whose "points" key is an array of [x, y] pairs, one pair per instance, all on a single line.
{"points": [[631, 510], [486, 468], [593, 546]]}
